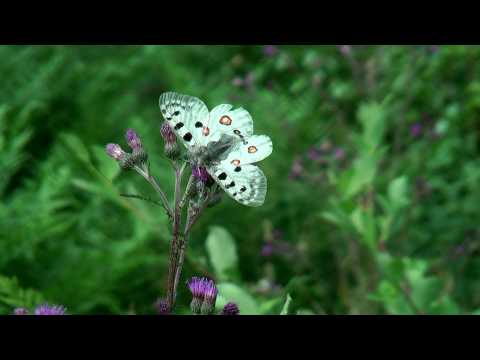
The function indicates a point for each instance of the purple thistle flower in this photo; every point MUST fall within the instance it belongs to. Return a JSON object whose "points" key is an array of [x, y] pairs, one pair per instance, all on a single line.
{"points": [[270, 50], [200, 174], [416, 130], [296, 170], [204, 294], [339, 154], [20, 311], [230, 309], [237, 81], [167, 134], [133, 140], [162, 307], [50, 310], [267, 250], [115, 151], [314, 154]]}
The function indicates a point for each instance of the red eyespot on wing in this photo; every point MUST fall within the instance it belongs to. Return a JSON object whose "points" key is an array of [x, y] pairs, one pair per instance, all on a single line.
{"points": [[205, 131], [252, 149], [225, 120], [236, 162]]}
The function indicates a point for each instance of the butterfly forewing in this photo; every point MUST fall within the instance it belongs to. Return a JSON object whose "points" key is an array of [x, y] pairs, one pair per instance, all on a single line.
{"points": [[184, 113]]}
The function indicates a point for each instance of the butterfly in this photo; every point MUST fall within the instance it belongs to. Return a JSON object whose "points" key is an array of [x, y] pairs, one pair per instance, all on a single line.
{"points": [[222, 141]]}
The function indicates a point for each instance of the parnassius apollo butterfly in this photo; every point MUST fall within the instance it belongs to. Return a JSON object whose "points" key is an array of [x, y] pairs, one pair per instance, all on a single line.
{"points": [[222, 141]]}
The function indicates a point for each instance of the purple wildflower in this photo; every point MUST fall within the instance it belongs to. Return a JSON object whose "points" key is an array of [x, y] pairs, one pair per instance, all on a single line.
{"points": [[161, 306], [237, 81], [20, 311], [230, 309], [50, 310], [296, 170], [339, 154], [270, 50], [416, 130], [249, 80], [345, 50], [204, 294], [200, 174], [314, 154], [133, 140], [267, 250], [167, 134], [115, 151]]}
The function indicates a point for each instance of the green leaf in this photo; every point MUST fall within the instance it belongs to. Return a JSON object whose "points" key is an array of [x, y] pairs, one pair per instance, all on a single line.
{"points": [[246, 303], [76, 146], [398, 193], [286, 307], [222, 252], [107, 166]]}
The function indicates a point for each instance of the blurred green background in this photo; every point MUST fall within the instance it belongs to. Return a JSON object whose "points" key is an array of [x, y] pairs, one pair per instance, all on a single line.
{"points": [[372, 204]]}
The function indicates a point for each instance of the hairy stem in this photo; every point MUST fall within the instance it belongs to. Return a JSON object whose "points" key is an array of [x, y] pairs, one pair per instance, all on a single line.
{"points": [[174, 245], [147, 176]]}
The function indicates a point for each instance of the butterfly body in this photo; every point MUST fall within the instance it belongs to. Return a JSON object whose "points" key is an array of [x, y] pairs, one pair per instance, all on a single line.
{"points": [[222, 141]]}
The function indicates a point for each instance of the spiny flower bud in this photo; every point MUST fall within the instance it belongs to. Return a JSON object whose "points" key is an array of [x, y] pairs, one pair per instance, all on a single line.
{"points": [[230, 309], [133, 140], [20, 311], [50, 310], [167, 133], [161, 306], [115, 151]]}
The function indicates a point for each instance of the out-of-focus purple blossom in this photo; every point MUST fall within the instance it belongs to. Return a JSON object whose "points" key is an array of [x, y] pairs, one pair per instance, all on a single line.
{"points": [[50, 310], [115, 151], [267, 250], [345, 50], [230, 309], [133, 140], [161, 306], [434, 48], [20, 311], [237, 81], [270, 50], [339, 154], [314, 154], [416, 130], [297, 169], [249, 80]]}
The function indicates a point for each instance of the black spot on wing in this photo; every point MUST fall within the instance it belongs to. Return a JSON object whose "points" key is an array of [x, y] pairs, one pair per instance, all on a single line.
{"points": [[198, 124], [187, 137], [178, 126], [222, 176]]}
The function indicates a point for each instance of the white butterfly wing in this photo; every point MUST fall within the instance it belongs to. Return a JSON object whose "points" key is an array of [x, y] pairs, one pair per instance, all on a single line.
{"points": [[248, 187], [187, 115], [253, 149], [224, 120]]}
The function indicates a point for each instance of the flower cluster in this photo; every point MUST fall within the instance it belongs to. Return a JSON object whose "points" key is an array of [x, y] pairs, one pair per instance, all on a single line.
{"points": [[204, 294], [137, 157], [43, 309]]}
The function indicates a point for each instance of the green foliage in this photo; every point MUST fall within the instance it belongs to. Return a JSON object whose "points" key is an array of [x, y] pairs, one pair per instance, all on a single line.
{"points": [[372, 203]]}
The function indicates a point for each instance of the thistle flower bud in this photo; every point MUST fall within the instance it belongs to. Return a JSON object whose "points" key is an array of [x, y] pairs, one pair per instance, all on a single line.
{"points": [[115, 151], [230, 309], [172, 151], [20, 311], [50, 310], [210, 298], [133, 140], [161, 306]]}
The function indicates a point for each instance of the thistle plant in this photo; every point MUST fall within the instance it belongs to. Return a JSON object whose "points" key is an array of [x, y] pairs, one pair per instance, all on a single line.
{"points": [[220, 151]]}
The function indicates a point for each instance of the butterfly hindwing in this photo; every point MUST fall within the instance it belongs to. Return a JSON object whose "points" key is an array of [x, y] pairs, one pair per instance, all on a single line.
{"points": [[184, 114], [251, 150], [248, 187]]}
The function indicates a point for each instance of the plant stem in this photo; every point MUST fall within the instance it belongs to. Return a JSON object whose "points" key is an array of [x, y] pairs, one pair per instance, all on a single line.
{"points": [[174, 245], [147, 176]]}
